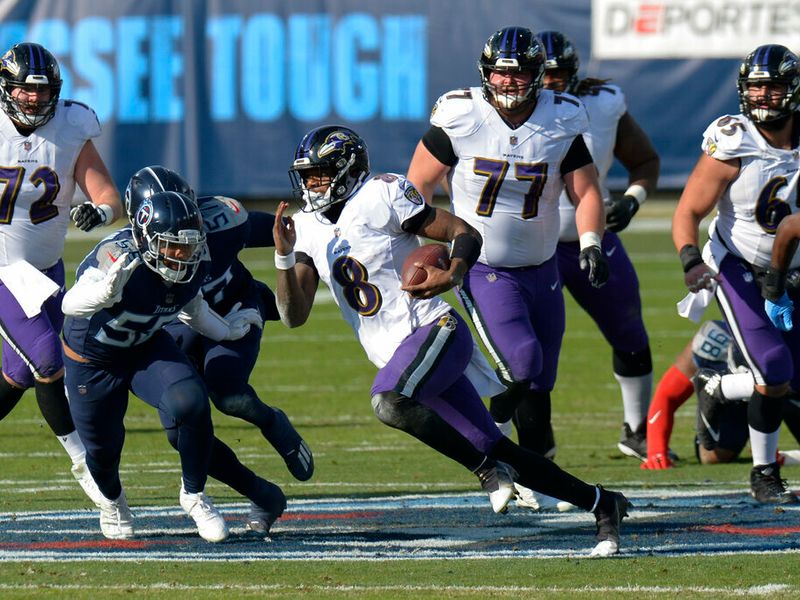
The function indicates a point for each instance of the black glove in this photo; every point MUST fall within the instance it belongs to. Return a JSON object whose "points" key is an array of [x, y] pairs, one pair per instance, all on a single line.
{"points": [[592, 258], [773, 285], [620, 211], [87, 216]]}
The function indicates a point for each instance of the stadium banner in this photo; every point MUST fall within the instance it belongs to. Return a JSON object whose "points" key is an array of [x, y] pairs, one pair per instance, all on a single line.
{"points": [[223, 90], [636, 29]]}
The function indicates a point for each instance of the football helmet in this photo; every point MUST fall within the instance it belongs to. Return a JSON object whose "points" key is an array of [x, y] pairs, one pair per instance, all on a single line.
{"points": [[29, 67], [560, 53], [168, 232], [512, 49], [770, 63], [151, 180], [333, 151]]}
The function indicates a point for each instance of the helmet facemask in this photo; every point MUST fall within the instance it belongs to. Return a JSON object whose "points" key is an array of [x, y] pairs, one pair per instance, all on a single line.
{"points": [[160, 254]]}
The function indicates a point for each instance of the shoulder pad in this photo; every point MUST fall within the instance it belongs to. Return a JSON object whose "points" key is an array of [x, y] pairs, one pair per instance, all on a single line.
{"points": [[607, 98], [728, 137], [560, 115], [410, 192], [222, 211], [457, 111], [80, 116]]}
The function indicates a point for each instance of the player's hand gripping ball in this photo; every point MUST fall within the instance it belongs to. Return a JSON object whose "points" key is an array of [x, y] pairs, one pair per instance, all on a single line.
{"points": [[436, 255]]}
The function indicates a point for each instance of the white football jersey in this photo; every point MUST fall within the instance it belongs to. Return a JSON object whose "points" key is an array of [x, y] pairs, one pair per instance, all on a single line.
{"points": [[360, 258], [507, 181], [37, 183], [605, 105], [765, 191]]}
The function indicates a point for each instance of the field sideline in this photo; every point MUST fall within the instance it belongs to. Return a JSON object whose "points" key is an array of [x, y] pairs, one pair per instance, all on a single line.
{"points": [[418, 521]]}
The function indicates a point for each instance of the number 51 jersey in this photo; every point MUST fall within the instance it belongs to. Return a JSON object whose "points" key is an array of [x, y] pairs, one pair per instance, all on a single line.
{"points": [[507, 181], [38, 183]]}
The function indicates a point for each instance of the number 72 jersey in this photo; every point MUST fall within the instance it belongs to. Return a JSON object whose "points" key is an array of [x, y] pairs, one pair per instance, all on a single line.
{"points": [[507, 181], [764, 192]]}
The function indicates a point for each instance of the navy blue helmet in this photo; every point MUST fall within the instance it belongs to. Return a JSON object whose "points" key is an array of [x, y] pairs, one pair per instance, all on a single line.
{"points": [[149, 181]]}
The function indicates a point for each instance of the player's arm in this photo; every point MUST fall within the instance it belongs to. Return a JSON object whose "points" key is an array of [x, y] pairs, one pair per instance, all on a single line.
{"points": [[92, 176], [98, 288], [636, 153], [777, 304], [705, 185], [297, 279], [466, 242], [432, 161]]}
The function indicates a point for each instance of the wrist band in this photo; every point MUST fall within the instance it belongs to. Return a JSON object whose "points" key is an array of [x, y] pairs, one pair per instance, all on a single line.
{"points": [[690, 257], [637, 191], [108, 213], [467, 247], [284, 263], [590, 238]]}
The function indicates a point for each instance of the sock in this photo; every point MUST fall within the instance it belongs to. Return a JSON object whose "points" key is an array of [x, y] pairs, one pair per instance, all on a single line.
{"points": [[53, 404], [764, 423], [635, 397], [672, 391], [533, 421], [737, 386], [9, 397], [74, 446]]}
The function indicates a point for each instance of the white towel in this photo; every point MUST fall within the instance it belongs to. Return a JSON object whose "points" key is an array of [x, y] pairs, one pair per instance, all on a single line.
{"points": [[29, 286], [694, 304]]}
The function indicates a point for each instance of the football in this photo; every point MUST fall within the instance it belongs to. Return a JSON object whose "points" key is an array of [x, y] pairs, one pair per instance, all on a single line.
{"points": [[437, 255]]}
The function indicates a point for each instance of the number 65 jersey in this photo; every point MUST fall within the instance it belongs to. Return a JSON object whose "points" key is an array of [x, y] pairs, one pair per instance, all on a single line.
{"points": [[360, 258], [507, 181], [764, 192], [37, 183]]}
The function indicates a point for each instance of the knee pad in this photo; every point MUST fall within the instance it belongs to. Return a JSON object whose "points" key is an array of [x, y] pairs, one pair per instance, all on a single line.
{"points": [[633, 364], [187, 401]]}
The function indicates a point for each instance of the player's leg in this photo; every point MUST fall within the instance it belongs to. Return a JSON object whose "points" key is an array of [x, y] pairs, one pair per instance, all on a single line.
{"points": [[721, 438], [770, 361], [617, 310]]}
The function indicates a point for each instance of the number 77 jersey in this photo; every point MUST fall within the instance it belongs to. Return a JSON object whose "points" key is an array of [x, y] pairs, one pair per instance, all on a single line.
{"points": [[507, 181], [765, 191]]}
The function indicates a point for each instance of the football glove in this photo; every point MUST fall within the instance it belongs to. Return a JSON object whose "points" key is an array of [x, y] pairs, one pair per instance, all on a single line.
{"points": [[591, 258], [119, 274], [620, 211], [780, 312], [87, 216], [240, 320]]}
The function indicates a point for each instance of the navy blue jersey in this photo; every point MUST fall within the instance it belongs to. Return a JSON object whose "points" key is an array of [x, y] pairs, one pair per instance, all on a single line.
{"points": [[229, 229], [148, 303]]}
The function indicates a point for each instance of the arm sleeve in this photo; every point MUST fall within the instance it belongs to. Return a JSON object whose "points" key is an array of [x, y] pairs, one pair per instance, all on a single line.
{"points": [[413, 224], [439, 145], [199, 316], [88, 296], [577, 156], [259, 234]]}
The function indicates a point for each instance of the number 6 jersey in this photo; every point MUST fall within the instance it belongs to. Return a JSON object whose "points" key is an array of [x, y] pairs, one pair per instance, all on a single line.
{"points": [[37, 183], [754, 203]]}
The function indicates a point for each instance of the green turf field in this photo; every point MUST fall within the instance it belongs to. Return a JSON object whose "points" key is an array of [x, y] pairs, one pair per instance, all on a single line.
{"points": [[319, 375]]}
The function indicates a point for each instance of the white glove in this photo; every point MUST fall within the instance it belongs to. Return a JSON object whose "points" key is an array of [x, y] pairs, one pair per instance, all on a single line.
{"points": [[239, 321], [119, 274]]}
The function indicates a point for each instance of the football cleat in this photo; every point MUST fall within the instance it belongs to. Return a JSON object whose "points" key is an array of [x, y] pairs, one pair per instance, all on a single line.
{"points": [[538, 502], [506, 428], [294, 450], [608, 524], [708, 387], [266, 507], [116, 519], [766, 485], [81, 473], [634, 443], [210, 524], [497, 480]]}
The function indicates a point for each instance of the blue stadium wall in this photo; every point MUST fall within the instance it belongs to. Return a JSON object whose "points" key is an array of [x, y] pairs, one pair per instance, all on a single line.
{"points": [[222, 90]]}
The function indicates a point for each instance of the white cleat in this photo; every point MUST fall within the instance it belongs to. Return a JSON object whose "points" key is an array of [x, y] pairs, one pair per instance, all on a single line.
{"points": [[497, 480], [81, 473], [605, 548], [527, 498], [210, 524], [116, 519]]}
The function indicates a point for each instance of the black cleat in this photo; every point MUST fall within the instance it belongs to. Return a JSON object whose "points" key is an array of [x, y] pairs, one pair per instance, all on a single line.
{"points": [[708, 387], [266, 507], [608, 523], [294, 450], [634, 443], [767, 486]]}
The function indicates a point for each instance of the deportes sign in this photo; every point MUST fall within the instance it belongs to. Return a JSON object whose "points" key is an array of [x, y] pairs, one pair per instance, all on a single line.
{"points": [[636, 29]]}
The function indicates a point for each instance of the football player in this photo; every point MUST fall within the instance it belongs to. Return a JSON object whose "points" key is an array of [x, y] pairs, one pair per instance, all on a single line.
{"points": [[47, 146], [226, 365], [616, 307], [354, 234], [748, 172], [508, 149], [114, 341]]}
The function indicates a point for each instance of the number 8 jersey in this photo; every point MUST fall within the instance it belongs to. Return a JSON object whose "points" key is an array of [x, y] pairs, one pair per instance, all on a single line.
{"points": [[360, 258], [507, 181], [754, 203], [37, 183]]}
